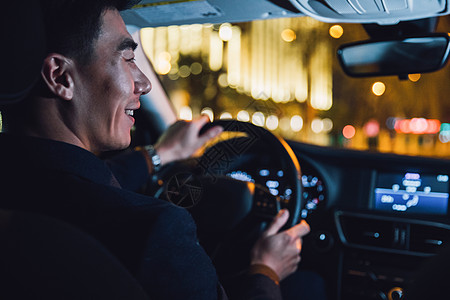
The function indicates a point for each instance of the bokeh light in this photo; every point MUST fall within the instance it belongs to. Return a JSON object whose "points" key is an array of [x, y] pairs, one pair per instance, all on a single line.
{"points": [[444, 137], [296, 123], [288, 35], [272, 122], [222, 80], [433, 126], [184, 71], [243, 116], [163, 65], [225, 32], [186, 113], [414, 77], [317, 125], [258, 118], [327, 125], [417, 126], [378, 88], [196, 68], [225, 116], [372, 128], [444, 134], [336, 31], [208, 112], [390, 122], [349, 131]]}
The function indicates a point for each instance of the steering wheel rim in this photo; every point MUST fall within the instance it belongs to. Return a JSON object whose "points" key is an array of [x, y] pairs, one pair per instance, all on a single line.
{"points": [[288, 160], [234, 241], [254, 135]]}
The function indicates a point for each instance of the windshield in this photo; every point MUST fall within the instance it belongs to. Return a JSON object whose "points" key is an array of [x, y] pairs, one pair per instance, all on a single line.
{"points": [[283, 74]]}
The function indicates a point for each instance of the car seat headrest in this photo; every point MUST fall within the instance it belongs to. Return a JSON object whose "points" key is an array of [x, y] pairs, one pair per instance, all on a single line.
{"points": [[23, 48]]}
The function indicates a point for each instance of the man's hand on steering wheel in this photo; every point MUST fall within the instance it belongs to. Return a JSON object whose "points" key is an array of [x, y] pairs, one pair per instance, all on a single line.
{"points": [[182, 139], [280, 251]]}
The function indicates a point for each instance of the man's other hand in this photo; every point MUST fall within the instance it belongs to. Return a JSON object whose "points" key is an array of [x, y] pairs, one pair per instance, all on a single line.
{"points": [[280, 251], [181, 140]]}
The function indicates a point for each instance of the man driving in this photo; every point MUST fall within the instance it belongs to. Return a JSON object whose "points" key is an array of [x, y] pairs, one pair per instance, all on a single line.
{"points": [[82, 105]]}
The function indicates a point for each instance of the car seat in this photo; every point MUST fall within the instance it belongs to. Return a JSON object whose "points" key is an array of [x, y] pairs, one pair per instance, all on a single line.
{"points": [[43, 258]]}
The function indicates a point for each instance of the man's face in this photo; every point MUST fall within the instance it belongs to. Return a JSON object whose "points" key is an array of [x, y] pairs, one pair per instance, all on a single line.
{"points": [[107, 90]]}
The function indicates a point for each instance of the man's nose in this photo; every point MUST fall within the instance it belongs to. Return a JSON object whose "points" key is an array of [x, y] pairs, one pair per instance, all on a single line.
{"points": [[142, 84]]}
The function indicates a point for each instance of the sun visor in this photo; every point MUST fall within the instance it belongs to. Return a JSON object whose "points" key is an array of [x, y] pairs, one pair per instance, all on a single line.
{"points": [[383, 12], [153, 13], [22, 50]]}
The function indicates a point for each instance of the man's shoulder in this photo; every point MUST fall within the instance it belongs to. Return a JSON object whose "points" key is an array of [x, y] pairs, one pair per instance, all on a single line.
{"points": [[68, 196], [109, 199]]}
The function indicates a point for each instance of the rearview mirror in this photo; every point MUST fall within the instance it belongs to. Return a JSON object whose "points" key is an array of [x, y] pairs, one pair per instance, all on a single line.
{"points": [[407, 55]]}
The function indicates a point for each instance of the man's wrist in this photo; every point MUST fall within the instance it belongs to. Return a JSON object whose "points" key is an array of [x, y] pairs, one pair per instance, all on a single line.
{"points": [[264, 270], [151, 156]]}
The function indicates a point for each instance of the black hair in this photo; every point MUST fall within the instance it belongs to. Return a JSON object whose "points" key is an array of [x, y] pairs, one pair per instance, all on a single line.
{"points": [[71, 29], [72, 26]]}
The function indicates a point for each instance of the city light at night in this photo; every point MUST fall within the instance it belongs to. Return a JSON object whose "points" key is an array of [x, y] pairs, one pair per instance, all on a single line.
{"points": [[243, 116], [288, 35], [336, 31], [417, 126], [208, 112], [378, 88], [282, 74], [186, 113], [349, 131], [296, 123]]}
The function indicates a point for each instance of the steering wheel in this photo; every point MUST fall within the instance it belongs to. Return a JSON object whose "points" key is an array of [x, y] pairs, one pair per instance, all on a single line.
{"points": [[230, 213]]}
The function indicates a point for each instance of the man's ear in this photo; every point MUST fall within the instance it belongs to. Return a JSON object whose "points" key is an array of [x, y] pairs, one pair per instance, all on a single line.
{"points": [[57, 72]]}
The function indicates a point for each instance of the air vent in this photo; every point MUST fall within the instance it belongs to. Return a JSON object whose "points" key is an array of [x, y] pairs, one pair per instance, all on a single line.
{"points": [[428, 239], [414, 237], [367, 232]]}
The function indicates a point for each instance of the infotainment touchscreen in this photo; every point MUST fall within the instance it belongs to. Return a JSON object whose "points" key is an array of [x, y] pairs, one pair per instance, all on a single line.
{"points": [[411, 192]]}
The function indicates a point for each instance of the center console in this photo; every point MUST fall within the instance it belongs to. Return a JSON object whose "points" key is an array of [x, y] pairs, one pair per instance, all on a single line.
{"points": [[404, 224]]}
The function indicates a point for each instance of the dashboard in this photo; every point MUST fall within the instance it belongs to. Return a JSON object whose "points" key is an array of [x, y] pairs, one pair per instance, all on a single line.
{"points": [[272, 178], [375, 218], [411, 192], [382, 217]]}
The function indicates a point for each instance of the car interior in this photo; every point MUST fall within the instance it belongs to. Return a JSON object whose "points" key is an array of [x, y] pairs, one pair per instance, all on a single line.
{"points": [[45, 258], [379, 221]]}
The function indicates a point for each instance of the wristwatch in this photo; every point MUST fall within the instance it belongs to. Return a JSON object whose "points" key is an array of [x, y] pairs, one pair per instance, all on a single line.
{"points": [[154, 157]]}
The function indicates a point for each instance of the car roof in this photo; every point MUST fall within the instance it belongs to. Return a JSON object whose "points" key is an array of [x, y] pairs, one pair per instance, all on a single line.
{"points": [[151, 13]]}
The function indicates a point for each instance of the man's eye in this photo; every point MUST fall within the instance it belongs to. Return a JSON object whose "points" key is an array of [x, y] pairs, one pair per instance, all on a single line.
{"points": [[131, 59]]}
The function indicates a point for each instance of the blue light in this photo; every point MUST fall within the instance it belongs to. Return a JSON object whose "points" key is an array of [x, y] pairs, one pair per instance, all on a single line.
{"points": [[304, 213], [305, 181], [442, 178], [242, 176], [412, 176], [274, 192], [264, 172], [272, 184], [280, 173], [445, 127]]}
